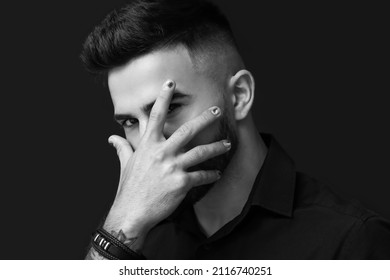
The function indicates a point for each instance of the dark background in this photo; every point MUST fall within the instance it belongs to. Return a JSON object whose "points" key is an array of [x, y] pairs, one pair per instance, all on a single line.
{"points": [[321, 89]]}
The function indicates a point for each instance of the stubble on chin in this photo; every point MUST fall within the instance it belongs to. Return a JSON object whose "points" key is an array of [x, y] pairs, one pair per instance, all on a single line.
{"points": [[226, 131]]}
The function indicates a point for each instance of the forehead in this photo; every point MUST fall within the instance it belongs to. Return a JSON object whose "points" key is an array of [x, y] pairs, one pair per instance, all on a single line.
{"points": [[140, 81]]}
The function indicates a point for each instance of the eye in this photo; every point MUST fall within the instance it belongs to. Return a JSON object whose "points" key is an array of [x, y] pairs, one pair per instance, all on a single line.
{"points": [[129, 122], [173, 107]]}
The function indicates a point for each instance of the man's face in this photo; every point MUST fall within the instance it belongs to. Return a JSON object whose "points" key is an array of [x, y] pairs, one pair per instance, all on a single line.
{"points": [[137, 84]]}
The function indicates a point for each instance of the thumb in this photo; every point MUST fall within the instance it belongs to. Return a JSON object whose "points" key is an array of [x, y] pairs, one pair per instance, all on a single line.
{"points": [[123, 148]]}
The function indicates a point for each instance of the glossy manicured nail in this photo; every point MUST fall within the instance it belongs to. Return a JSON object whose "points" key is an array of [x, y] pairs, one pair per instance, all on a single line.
{"points": [[168, 84], [227, 143], [215, 111]]}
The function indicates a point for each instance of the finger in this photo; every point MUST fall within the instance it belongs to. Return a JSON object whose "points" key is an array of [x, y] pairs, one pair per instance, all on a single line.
{"points": [[123, 149], [203, 177], [159, 111], [188, 130], [203, 152]]}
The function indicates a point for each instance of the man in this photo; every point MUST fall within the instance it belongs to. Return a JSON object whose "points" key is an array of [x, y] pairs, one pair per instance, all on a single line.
{"points": [[197, 179]]}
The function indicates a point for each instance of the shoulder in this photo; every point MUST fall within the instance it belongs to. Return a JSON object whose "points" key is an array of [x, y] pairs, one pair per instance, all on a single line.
{"points": [[366, 235], [310, 192]]}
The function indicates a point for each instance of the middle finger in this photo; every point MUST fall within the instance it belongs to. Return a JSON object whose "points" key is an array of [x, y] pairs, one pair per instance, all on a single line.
{"points": [[187, 131]]}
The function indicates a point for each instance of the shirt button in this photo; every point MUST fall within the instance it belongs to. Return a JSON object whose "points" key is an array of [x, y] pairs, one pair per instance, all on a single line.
{"points": [[207, 247]]}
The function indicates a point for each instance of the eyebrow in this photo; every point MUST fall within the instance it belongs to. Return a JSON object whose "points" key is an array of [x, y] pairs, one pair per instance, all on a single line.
{"points": [[148, 107]]}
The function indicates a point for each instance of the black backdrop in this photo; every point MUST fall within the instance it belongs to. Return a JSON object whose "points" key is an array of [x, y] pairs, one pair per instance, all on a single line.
{"points": [[321, 89]]}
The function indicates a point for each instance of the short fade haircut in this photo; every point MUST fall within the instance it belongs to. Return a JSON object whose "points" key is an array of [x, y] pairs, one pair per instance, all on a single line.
{"points": [[144, 26]]}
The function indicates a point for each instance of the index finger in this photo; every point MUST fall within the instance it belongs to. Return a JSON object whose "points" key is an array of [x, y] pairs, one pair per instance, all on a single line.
{"points": [[158, 114]]}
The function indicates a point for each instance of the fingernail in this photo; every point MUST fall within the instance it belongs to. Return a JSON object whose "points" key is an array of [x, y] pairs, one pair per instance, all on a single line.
{"points": [[168, 84], [227, 144], [215, 110]]}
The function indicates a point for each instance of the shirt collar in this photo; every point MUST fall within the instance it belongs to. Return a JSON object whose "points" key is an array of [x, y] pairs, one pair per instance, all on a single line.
{"points": [[275, 184]]}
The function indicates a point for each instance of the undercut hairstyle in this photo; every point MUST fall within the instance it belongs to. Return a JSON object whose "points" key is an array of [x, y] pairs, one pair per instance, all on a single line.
{"points": [[144, 26]]}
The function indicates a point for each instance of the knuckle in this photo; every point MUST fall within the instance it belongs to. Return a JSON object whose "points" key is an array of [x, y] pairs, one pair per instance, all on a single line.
{"points": [[171, 168], [183, 180], [199, 152], [203, 118], [203, 176], [159, 155], [154, 115], [207, 116], [185, 129]]}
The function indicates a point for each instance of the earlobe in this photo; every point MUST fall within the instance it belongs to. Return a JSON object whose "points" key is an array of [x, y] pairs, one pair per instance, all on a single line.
{"points": [[243, 89]]}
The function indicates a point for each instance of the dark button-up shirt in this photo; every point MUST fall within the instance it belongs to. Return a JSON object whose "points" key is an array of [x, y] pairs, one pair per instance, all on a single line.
{"points": [[288, 215]]}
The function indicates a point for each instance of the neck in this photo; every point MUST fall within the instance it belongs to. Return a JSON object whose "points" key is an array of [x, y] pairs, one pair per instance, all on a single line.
{"points": [[229, 194]]}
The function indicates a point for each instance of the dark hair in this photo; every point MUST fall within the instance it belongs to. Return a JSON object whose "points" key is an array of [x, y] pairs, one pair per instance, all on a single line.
{"points": [[143, 26]]}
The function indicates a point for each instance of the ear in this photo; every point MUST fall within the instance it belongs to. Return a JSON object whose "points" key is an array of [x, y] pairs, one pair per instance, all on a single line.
{"points": [[242, 86]]}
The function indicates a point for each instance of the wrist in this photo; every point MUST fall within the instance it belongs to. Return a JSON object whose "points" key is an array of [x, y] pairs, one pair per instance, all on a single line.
{"points": [[114, 246], [130, 226], [129, 230]]}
